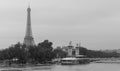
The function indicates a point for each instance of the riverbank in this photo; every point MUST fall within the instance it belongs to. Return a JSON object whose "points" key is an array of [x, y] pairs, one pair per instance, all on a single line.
{"points": [[83, 67], [22, 65], [108, 61], [26, 68]]}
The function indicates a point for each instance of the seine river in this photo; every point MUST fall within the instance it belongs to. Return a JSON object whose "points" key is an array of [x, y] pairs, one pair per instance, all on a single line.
{"points": [[87, 67]]}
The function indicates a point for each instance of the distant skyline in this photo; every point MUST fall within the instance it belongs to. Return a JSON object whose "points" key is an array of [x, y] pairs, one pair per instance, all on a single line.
{"points": [[93, 23]]}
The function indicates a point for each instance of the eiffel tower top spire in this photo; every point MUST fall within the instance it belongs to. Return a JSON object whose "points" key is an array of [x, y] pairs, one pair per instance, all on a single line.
{"points": [[29, 4], [29, 40]]}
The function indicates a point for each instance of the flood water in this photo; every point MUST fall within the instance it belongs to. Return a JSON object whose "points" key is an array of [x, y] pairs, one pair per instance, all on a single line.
{"points": [[87, 67]]}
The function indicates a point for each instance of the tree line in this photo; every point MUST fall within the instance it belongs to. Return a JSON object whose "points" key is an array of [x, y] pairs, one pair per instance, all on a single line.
{"points": [[41, 53], [44, 52], [89, 53], [97, 53]]}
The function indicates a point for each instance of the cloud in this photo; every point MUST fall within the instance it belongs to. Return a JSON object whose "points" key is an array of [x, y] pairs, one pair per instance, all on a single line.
{"points": [[89, 21]]}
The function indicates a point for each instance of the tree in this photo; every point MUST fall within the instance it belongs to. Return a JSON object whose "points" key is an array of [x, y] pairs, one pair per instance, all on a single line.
{"points": [[17, 51], [43, 52], [82, 50], [59, 53]]}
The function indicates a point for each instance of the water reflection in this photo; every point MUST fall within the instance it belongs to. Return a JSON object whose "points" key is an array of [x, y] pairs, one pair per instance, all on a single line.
{"points": [[87, 67]]}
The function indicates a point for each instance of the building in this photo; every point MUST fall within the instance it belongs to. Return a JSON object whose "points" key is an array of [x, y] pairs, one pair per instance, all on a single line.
{"points": [[71, 50]]}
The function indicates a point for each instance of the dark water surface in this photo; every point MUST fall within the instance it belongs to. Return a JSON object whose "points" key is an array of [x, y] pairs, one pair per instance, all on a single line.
{"points": [[87, 67]]}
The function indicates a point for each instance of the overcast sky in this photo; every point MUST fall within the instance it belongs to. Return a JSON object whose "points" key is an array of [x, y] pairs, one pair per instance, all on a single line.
{"points": [[93, 23]]}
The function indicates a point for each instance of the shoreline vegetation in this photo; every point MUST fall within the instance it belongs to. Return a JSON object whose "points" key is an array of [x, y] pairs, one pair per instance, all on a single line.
{"points": [[93, 60], [43, 53], [22, 65]]}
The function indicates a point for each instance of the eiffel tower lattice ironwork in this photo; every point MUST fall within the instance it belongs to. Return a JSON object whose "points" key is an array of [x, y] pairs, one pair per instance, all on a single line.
{"points": [[29, 40]]}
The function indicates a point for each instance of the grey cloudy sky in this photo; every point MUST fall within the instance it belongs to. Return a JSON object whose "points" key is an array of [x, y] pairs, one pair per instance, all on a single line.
{"points": [[94, 23]]}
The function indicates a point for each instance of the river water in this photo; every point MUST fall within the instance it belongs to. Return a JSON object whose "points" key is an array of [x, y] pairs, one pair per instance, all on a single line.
{"points": [[86, 67]]}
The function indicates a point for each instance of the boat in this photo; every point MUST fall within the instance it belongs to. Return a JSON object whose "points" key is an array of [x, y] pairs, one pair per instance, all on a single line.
{"points": [[74, 61], [69, 61]]}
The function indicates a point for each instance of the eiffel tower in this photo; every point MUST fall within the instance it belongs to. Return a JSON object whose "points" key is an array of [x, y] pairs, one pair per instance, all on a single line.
{"points": [[29, 40]]}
